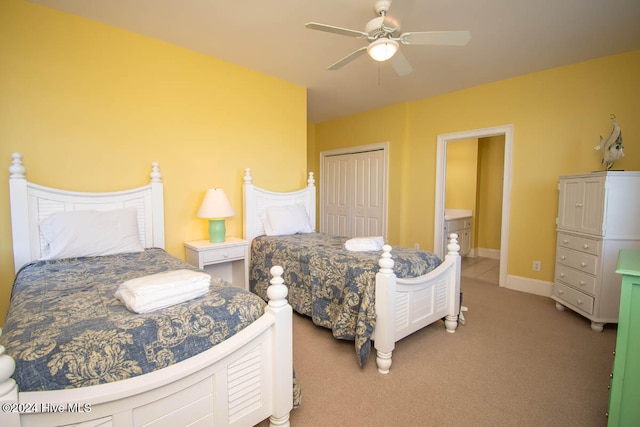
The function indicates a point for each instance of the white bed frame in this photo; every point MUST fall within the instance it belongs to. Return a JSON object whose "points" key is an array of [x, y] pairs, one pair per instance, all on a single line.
{"points": [[239, 382], [403, 306]]}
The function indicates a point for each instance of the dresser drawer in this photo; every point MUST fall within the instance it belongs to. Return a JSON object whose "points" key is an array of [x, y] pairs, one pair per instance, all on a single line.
{"points": [[578, 260], [574, 297], [583, 281], [581, 244], [222, 254]]}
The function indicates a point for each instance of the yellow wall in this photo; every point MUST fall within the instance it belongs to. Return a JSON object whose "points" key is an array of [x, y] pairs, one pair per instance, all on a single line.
{"points": [[461, 174], [81, 100], [558, 116], [488, 218]]}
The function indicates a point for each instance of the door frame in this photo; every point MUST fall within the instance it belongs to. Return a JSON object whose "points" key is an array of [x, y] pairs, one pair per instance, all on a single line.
{"points": [[441, 171], [384, 146]]}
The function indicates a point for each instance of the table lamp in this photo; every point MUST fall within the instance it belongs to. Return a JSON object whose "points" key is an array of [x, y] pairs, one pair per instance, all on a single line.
{"points": [[216, 208]]}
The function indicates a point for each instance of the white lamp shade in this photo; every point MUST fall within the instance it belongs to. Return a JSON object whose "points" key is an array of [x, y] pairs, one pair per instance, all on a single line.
{"points": [[382, 49], [215, 205]]}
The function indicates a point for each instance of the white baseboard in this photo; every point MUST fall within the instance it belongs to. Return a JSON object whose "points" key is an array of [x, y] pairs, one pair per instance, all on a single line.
{"points": [[531, 286], [517, 283], [486, 253]]}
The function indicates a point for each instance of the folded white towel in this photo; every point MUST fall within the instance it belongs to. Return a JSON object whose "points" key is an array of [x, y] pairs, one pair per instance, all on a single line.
{"points": [[149, 293], [358, 244]]}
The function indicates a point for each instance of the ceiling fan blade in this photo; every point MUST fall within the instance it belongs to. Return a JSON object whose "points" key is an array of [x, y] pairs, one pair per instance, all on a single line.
{"points": [[336, 30], [445, 38], [344, 61], [400, 64], [398, 9]]}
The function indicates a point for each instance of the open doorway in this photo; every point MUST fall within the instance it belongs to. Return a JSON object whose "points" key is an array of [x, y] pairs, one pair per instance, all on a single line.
{"points": [[439, 217]]}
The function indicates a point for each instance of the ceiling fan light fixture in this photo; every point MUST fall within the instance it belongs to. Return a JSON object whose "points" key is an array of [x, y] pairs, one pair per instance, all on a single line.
{"points": [[382, 49]]}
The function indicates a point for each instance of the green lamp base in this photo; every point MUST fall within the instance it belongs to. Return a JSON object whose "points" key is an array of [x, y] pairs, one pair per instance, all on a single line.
{"points": [[217, 230]]}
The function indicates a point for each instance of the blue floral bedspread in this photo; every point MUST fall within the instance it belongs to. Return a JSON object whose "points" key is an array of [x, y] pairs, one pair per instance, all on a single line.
{"points": [[333, 286], [65, 328]]}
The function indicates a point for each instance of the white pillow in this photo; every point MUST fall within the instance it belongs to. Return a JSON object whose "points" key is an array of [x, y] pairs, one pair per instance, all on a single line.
{"points": [[91, 233], [283, 220]]}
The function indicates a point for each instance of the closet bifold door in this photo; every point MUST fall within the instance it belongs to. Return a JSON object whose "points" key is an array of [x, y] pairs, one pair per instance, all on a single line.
{"points": [[354, 194]]}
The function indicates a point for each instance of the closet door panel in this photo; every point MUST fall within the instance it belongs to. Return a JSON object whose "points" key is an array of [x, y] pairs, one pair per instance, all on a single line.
{"points": [[368, 196], [337, 196]]}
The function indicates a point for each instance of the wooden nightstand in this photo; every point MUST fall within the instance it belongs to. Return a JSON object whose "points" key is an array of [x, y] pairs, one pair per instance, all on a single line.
{"points": [[228, 260]]}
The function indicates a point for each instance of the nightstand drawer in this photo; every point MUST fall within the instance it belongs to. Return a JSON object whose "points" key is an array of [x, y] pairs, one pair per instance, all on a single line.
{"points": [[577, 279], [578, 260], [581, 244], [223, 254], [574, 297]]}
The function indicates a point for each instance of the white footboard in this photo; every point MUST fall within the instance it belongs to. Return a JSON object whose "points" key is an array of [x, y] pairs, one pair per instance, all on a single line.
{"points": [[239, 382], [404, 306]]}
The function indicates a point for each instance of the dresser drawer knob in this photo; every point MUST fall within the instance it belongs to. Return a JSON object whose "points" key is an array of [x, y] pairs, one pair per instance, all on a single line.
{"points": [[578, 205], [562, 274], [585, 246], [579, 301], [565, 241], [582, 283], [560, 292], [583, 264], [225, 255], [562, 257]]}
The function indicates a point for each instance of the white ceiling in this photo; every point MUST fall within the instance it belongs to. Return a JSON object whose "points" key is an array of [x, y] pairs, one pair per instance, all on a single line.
{"points": [[508, 38]]}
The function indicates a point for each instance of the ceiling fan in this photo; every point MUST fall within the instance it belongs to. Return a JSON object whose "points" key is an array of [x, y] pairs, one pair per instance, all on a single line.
{"points": [[383, 35]]}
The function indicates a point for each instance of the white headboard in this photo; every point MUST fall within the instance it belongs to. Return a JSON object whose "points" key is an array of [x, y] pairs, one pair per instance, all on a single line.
{"points": [[30, 203], [256, 200]]}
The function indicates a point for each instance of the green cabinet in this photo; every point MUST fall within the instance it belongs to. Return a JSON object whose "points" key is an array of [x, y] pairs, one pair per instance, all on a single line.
{"points": [[624, 400]]}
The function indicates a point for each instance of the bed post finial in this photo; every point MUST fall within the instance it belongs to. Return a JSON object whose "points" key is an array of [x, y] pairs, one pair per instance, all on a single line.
{"points": [[277, 291], [386, 263], [247, 176], [156, 176], [311, 182], [453, 247], [17, 169]]}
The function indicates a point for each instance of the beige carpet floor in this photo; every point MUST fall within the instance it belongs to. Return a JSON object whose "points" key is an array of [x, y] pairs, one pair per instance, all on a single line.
{"points": [[516, 362]]}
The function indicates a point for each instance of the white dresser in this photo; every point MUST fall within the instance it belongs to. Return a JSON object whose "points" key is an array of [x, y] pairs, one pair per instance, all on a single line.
{"points": [[598, 214]]}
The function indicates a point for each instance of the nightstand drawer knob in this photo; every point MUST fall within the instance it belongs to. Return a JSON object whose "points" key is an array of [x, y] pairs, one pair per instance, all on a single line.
{"points": [[579, 301], [562, 274], [225, 255], [585, 246], [562, 257], [582, 283], [583, 264], [565, 241]]}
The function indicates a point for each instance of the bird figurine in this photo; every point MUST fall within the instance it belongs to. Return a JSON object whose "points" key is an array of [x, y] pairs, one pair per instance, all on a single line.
{"points": [[611, 146]]}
